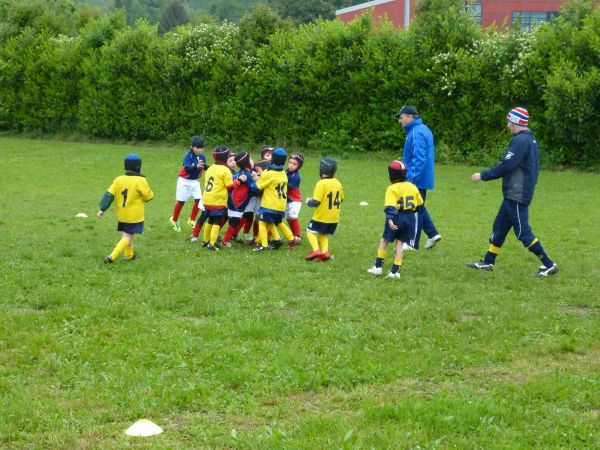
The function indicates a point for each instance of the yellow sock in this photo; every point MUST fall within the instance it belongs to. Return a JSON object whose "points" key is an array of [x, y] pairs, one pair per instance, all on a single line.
{"points": [[263, 237], [381, 253], [214, 233], [324, 242], [123, 243], [129, 251], [287, 233], [206, 232], [273, 231], [398, 262], [313, 240], [493, 249]]}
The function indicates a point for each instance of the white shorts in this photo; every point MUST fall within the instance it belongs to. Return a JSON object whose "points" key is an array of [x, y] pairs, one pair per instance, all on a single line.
{"points": [[232, 213], [188, 188], [253, 205], [292, 210]]}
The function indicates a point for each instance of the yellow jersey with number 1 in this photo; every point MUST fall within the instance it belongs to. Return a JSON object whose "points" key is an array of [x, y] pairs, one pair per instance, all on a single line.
{"points": [[130, 193], [330, 193]]}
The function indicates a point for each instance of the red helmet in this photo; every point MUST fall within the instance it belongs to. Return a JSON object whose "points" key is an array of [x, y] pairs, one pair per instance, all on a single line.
{"points": [[221, 154], [397, 171]]}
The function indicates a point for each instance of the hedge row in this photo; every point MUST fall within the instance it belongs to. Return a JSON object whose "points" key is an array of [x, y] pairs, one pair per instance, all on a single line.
{"points": [[325, 85]]}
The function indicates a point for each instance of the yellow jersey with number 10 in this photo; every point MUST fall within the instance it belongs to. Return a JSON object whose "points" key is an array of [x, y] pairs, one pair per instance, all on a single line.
{"points": [[330, 193], [273, 184]]}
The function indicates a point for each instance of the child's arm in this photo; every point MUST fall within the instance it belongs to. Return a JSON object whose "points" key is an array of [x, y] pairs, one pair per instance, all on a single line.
{"points": [[312, 202], [105, 203]]}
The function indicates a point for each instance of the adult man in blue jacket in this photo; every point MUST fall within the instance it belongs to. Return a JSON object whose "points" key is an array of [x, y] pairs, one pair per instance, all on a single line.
{"points": [[519, 172], [418, 155]]}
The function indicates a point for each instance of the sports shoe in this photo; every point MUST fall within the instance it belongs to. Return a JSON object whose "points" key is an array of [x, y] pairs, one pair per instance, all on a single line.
{"points": [[408, 248], [432, 241], [213, 248], [393, 275], [191, 222], [546, 271], [276, 244], [175, 225], [108, 260], [481, 265], [204, 244], [261, 249], [325, 256], [227, 244], [193, 238], [293, 243], [313, 255], [132, 259], [376, 271]]}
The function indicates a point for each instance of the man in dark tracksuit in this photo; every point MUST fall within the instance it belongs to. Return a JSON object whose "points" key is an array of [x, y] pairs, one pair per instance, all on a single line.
{"points": [[519, 172]]}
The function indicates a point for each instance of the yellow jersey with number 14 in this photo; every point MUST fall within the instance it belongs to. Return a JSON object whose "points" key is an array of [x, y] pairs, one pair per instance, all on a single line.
{"points": [[130, 193], [330, 193]]}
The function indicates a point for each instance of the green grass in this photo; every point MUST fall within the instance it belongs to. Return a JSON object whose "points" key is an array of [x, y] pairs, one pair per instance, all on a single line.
{"points": [[238, 350]]}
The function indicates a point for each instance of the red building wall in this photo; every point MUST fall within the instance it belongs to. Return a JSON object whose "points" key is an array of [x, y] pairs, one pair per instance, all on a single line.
{"points": [[393, 9], [492, 11]]}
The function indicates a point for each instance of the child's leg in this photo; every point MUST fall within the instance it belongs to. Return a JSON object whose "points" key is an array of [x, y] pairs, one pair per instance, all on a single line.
{"points": [[313, 240], [398, 257], [247, 220], [199, 223], [214, 230], [195, 210], [255, 228], [287, 234], [233, 224], [121, 245], [262, 234], [207, 232], [323, 242], [129, 248], [381, 252], [177, 210], [272, 231], [295, 226]]}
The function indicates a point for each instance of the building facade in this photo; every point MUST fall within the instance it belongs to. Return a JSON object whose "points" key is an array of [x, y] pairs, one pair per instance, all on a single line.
{"points": [[487, 12]]}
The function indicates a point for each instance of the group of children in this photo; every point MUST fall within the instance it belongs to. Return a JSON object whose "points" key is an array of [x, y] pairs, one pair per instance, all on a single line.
{"points": [[238, 192]]}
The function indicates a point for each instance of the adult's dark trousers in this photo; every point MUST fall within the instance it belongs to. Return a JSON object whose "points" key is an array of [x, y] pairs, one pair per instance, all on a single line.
{"points": [[424, 223], [513, 215]]}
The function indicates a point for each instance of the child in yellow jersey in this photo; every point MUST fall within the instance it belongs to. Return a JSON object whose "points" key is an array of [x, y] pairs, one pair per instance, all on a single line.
{"points": [[273, 185], [131, 192], [402, 200], [218, 182], [327, 198]]}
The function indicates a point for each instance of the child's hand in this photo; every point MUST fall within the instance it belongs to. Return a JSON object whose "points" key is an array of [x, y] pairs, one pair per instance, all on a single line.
{"points": [[242, 178], [99, 214], [307, 201], [255, 176], [392, 225]]}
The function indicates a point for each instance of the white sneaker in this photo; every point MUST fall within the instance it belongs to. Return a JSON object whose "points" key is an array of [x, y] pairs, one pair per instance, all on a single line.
{"points": [[432, 241], [393, 275], [408, 248], [193, 239], [375, 271]]}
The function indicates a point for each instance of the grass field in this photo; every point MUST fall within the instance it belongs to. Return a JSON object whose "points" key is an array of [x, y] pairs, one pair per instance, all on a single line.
{"points": [[241, 350]]}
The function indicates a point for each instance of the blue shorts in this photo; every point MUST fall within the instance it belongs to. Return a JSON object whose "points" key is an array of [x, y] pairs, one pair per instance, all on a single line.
{"points": [[271, 217], [321, 228], [216, 212], [407, 228], [131, 228]]}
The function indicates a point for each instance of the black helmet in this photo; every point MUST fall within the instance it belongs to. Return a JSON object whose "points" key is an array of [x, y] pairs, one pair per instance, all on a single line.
{"points": [[133, 163], [221, 154], [328, 166]]}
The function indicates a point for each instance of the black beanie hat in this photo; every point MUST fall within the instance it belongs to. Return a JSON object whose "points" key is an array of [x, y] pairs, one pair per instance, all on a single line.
{"points": [[242, 159]]}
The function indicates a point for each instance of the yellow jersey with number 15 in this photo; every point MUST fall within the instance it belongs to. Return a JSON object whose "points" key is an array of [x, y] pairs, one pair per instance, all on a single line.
{"points": [[130, 193], [403, 196], [330, 193]]}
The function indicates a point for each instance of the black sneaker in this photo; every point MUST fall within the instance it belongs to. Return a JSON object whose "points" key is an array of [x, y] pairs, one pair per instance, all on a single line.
{"points": [[276, 244], [481, 265], [213, 248], [546, 271], [108, 260], [261, 249]]}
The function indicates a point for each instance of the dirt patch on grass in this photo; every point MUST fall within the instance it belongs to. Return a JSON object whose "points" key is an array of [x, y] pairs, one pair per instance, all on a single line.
{"points": [[578, 310]]}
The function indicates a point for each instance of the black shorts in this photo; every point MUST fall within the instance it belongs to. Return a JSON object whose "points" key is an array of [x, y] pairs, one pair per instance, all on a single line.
{"points": [[321, 228], [130, 228], [271, 217], [407, 226]]}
